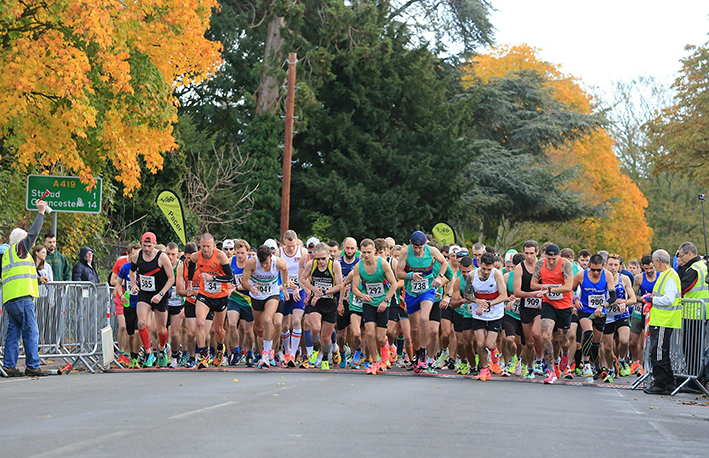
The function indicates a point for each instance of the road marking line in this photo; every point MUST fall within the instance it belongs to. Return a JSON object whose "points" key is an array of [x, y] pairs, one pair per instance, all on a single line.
{"points": [[639, 412], [662, 430], [69, 449], [15, 380], [187, 414]]}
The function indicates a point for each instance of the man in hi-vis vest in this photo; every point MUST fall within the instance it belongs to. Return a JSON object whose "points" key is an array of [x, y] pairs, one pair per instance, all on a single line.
{"points": [[665, 317], [19, 288]]}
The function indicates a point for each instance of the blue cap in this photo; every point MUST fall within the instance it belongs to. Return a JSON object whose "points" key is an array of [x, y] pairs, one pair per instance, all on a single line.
{"points": [[552, 249], [418, 238], [4, 247]]}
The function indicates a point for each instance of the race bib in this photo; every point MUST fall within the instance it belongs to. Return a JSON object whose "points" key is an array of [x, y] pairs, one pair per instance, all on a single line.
{"points": [[323, 285], [375, 289], [596, 301], [533, 302], [212, 286], [266, 289], [147, 283], [555, 296], [515, 307], [613, 310], [293, 279], [419, 286], [356, 301], [469, 307], [237, 281]]}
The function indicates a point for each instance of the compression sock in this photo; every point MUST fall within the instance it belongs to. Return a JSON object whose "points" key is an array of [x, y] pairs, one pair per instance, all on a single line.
{"points": [[267, 346], [400, 346], [295, 341], [145, 338], [163, 339], [285, 338]]}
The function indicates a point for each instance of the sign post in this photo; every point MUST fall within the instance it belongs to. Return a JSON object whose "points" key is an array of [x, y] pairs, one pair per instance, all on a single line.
{"points": [[66, 194]]}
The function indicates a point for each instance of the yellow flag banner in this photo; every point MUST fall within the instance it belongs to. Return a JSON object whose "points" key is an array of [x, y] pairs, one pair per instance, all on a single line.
{"points": [[171, 206], [444, 234]]}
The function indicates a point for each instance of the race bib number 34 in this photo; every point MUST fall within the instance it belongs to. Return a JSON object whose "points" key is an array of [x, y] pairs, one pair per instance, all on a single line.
{"points": [[147, 283], [212, 286]]}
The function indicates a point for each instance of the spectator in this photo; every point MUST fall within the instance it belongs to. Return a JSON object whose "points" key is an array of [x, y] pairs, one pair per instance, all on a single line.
{"points": [[60, 266], [19, 288], [85, 269], [44, 270]]}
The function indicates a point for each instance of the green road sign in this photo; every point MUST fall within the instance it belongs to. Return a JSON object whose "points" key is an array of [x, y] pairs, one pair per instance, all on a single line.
{"points": [[66, 194]]}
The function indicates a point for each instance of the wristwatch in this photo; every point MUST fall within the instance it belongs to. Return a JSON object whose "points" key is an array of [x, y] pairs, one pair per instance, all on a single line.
{"points": [[161, 293]]}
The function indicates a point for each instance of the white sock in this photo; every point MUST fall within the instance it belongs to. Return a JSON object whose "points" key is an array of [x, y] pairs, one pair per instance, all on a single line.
{"points": [[295, 341], [285, 338], [267, 345]]}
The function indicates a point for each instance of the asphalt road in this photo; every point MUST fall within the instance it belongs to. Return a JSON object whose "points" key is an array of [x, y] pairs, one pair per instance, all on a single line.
{"points": [[263, 414]]}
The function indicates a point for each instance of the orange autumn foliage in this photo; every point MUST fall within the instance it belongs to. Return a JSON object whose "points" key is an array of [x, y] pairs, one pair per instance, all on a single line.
{"points": [[84, 83], [623, 229]]}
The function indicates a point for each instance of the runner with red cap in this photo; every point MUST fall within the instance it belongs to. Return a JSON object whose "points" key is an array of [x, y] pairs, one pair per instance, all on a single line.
{"points": [[152, 277]]}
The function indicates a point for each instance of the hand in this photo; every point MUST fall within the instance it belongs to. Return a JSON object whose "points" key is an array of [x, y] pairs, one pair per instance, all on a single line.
{"points": [[382, 306], [437, 282], [182, 314], [42, 206], [481, 309], [231, 289], [155, 299], [509, 305], [254, 290], [44, 279], [207, 277], [366, 298], [648, 297], [445, 302], [317, 293], [621, 305], [134, 290], [286, 295], [540, 293], [340, 309], [417, 276], [598, 312], [578, 305]]}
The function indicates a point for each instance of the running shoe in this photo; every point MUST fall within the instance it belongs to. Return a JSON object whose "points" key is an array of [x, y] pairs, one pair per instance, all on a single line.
{"points": [[588, 373], [441, 360], [518, 370], [392, 354], [551, 377], [374, 367], [505, 371], [495, 356], [568, 374], [264, 362], [185, 359], [219, 355], [432, 369], [563, 363], [600, 375], [203, 362], [357, 358], [538, 368], [249, 360], [368, 368], [634, 367], [190, 362], [325, 366], [408, 365], [640, 371], [557, 371], [336, 358], [134, 364], [313, 359], [343, 361], [514, 361], [484, 374], [150, 360], [174, 363], [450, 364], [458, 363], [495, 368], [610, 375], [234, 358], [381, 367], [579, 372], [624, 369], [464, 368], [123, 360]]}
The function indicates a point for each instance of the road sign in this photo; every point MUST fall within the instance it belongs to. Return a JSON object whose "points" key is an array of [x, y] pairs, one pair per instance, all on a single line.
{"points": [[66, 194]]}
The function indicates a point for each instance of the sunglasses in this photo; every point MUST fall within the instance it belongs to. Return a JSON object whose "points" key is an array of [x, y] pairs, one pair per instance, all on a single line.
{"points": [[321, 259], [462, 254], [596, 270], [228, 249]]}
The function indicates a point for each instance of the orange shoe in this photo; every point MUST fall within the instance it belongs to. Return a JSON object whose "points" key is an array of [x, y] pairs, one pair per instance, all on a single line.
{"points": [[640, 371], [557, 371], [495, 368], [634, 367], [384, 351], [392, 354], [484, 375]]}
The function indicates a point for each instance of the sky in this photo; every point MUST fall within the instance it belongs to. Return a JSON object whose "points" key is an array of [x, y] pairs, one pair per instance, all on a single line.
{"points": [[603, 41]]}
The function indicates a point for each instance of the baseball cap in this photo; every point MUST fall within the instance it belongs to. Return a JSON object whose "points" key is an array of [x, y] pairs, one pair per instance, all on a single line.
{"points": [[272, 244], [552, 249], [418, 238], [312, 241], [453, 249], [228, 243], [509, 255], [148, 237]]}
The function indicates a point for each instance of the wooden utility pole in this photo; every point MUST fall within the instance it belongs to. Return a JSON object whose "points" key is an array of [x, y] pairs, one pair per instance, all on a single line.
{"points": [[288, 144]]}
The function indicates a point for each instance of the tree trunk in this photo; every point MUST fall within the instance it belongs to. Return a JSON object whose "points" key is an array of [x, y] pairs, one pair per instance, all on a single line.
{"points": [[268, 87]]}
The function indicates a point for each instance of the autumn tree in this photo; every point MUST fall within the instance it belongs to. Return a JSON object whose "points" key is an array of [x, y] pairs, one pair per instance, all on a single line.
{"points": [[599, 180], [84, 83]]}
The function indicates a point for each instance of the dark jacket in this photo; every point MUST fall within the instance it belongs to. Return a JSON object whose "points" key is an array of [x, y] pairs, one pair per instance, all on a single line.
{"points": [[82, 270]]}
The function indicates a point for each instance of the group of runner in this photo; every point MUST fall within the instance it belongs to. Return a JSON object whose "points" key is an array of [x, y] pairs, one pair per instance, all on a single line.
{"points": [[420, 306]]}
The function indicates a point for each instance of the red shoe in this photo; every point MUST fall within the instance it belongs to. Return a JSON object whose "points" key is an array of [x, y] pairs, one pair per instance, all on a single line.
{"points": [[563, 363], [495, 357]]}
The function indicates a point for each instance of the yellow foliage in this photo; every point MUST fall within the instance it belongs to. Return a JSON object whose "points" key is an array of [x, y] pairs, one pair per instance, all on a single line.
{"points": [[623, 229], [85, 82]]}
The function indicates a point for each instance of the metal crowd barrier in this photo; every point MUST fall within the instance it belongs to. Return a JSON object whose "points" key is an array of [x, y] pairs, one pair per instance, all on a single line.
{"points": [[70, 316], [687, 347]]}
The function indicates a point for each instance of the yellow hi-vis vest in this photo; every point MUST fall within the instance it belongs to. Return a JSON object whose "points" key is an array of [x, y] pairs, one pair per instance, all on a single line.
{"points": [[19, 276], [667, 316], [700, 289]]}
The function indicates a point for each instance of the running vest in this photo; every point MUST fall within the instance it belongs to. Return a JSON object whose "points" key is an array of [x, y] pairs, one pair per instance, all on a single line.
{"points": [[190, 283], [613, 311], [323, 280], [486, 290], [593, 295], [514, 312], [19, 275], [375, 285], [668, 316], [347, 268], [555, 278], [239, 292], [266, 281], [529, 302], [151, 277], [395, 297], [214, 289], [293, 264], [424, 266], [462, 309], [647, 286], [174, 300]]}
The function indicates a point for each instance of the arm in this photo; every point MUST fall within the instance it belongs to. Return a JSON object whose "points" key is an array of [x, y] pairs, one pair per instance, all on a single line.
{"points": [[671, 293], [132, 274], [337, 271], [536, 282], [355, 286], [23, 248], [517, 284], [457, 299], [391, 278], [180, 284], [304, 278], [76, 272], [395, 265], [689, 280], [632, 298], [66, 269], [401, 265], [438, 281], [246, 276], [500, 287], [283, 269], [568, 285], [636, 284]]}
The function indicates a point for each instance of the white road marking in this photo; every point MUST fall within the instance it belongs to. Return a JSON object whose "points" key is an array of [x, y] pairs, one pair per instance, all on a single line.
{"points": [[663, 431], [187, 414], [68, 450]]}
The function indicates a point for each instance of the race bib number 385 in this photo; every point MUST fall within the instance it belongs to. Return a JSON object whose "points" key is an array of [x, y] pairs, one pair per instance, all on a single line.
{"points": [[147, 283]]}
